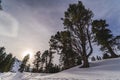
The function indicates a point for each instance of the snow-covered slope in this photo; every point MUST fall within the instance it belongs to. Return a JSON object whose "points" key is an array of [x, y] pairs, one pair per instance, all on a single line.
{"points": [[100, 70], [16, 65]]}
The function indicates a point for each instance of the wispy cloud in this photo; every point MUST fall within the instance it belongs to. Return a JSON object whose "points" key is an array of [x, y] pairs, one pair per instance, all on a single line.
{"points": [[8, 25]]}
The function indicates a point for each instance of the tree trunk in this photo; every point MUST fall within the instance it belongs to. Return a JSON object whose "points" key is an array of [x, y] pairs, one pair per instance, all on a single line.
{"points": [[89, 41], [37, 68], [113, 55], [85, 58], [85, 62]]}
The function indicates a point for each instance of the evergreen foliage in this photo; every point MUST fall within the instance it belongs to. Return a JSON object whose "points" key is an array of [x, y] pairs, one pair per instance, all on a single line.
{"points": [[103, 36], [98, 58], [93, 58], [37, 61], [7, 63], [54, 69], [106, 56], [47, 57], [77, 20], [5, 60], [44, 59], [24, 62], [61, 43]]}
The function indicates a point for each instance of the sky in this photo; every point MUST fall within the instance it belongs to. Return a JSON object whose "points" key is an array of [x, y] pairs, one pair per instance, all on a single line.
{"points": [[29, 24]]}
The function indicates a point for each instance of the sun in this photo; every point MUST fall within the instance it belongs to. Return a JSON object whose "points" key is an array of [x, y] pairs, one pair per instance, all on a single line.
{"points": [[28, 51]]}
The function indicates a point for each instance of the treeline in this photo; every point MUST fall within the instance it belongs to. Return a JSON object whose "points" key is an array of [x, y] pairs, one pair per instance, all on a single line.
{"points": [[60, 44], [6, 60], [75, 43]]}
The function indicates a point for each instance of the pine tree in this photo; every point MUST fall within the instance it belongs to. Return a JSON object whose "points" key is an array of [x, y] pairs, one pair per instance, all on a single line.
{"points": [[103, 36], [9, 64], [98, 58], [37, 61], [44, 59], [77, 20], [47, 61], [106, 56], [6, 60], [6, 63], [93, 58], [24, 62]]}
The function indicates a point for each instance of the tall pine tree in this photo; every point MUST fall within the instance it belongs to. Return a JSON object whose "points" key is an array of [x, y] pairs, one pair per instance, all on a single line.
{"points": [[77, 19], [37, 61], [24, 62]]}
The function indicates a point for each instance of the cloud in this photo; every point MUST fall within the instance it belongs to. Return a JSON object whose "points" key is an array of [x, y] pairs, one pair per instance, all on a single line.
{"points": [[8, 25]]}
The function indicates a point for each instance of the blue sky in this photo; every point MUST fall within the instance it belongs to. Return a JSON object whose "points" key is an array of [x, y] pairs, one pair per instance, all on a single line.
{"points": [[30, 23]]}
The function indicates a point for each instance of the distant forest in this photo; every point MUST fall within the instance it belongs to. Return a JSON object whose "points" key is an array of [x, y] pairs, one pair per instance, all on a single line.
{"points": [[74, 44]]}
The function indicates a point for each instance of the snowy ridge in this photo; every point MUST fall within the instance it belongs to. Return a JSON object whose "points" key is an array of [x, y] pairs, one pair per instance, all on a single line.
{"points": [[99, 70], [16, 65]]}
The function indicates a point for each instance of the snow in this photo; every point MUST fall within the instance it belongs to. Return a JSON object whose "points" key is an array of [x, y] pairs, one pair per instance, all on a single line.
{"points": [[100, 70], [16, 65]]}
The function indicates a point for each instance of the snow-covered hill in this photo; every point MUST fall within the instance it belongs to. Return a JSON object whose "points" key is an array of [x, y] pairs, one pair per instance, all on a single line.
{"points": [[16, 65], [100, 70]]}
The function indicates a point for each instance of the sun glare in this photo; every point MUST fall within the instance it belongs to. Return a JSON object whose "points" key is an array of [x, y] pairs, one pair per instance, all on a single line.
{"points": [[28, 51]]}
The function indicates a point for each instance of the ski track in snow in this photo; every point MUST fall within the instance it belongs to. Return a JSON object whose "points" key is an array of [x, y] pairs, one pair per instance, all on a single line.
{"points": [[99, 70]]}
